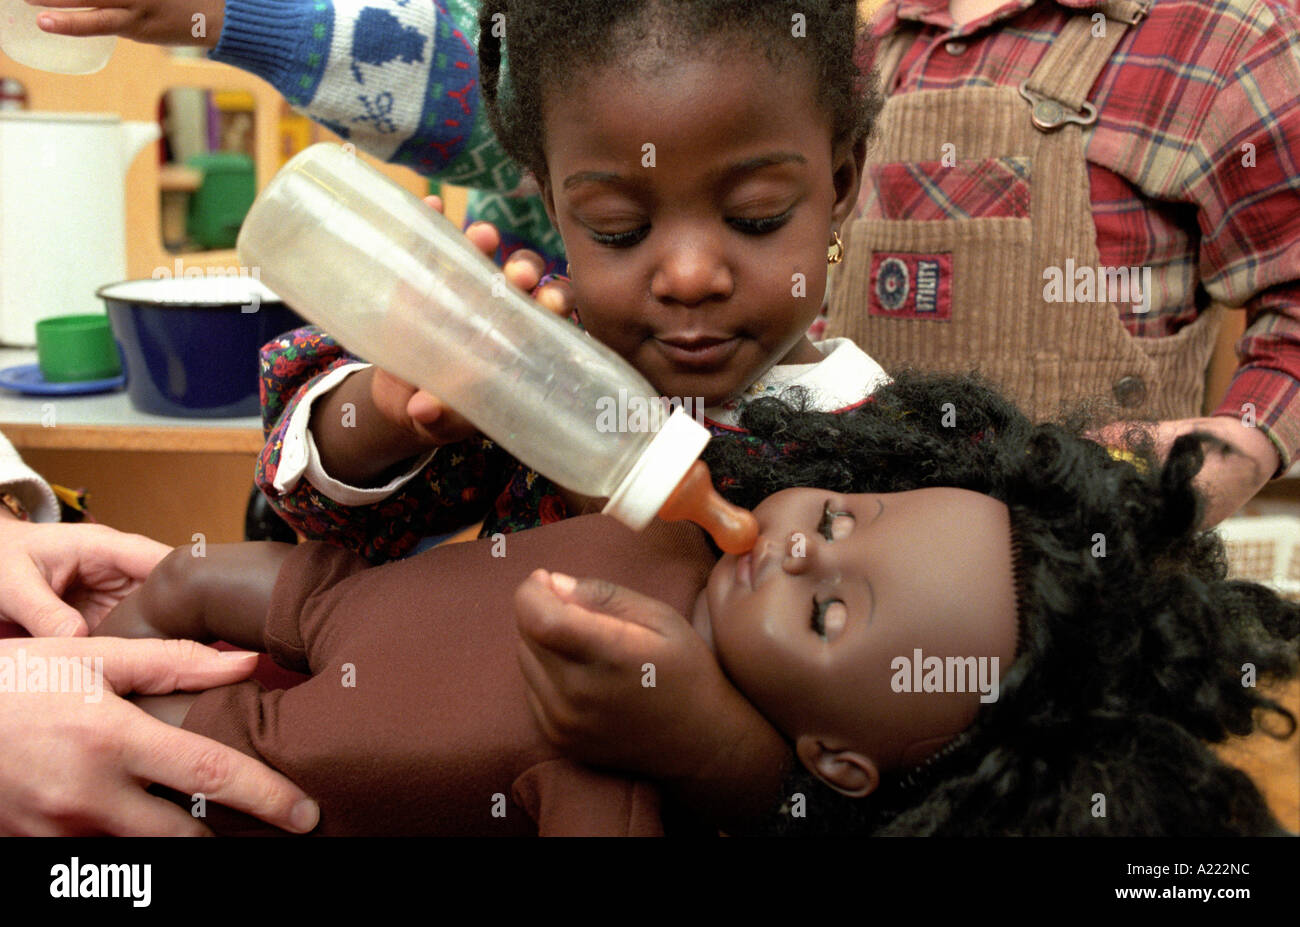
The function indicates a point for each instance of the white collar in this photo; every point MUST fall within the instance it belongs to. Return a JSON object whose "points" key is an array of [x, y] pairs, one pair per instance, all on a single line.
{"points": [[843, 377]]}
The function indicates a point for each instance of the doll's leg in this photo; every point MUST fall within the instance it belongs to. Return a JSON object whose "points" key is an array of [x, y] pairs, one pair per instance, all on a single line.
{"points": [[223, 595]]}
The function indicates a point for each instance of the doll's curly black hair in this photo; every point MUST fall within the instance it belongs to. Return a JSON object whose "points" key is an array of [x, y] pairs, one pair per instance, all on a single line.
{"points": [[549, 44], [1137, 649]]}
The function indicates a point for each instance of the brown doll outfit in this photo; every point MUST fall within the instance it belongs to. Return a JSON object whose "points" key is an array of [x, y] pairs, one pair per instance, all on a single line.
{"points": [[963, 293], [415, 720]]}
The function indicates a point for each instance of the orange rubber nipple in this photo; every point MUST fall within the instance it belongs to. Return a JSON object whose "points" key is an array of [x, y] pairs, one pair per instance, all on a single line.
{"points": [[731, 527]]}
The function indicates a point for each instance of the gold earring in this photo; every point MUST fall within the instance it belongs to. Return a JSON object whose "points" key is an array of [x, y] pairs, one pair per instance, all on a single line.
{"points": [[835, 253]]}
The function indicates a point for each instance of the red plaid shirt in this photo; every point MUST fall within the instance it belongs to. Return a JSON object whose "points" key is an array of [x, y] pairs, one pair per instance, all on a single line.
{"points": [[1194, 162]]}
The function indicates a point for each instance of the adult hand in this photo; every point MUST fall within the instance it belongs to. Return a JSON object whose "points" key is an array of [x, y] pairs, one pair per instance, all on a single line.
{"points": [[159, 22], [618, 679], [61, 580], [1231, 475], [423, 414], [74, 763]]}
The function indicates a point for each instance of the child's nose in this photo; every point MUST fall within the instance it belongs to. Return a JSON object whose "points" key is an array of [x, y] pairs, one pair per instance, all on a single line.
{"points": [[691, 272]]}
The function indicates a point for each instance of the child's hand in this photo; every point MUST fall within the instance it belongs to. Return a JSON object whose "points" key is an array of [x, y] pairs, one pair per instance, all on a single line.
{"points": [[158, 22], [423, 414], [618, 679]]}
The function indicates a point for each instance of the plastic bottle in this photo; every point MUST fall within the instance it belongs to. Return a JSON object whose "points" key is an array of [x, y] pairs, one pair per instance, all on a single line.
{"points": [[400, 285], [23, 41]]}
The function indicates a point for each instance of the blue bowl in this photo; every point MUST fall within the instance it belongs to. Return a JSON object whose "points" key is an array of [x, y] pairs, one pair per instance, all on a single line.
{"points": [[191, 345]]}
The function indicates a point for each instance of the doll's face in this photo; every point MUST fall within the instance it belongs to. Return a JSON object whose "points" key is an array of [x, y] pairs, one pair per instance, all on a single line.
{"points": [[696, 194], [821, 623]]}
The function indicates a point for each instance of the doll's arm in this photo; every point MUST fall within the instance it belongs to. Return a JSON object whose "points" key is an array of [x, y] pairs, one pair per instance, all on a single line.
{"points": [[224, 594]]}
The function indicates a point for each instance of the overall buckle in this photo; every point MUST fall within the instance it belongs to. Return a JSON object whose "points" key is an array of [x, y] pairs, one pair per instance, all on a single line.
{"points": [[1048, 115]]}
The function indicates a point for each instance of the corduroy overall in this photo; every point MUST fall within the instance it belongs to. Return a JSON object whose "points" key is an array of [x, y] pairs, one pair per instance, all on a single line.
{"points": [[970, 293]]}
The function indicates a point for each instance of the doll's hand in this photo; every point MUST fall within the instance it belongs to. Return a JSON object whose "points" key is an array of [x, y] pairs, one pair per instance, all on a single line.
{"points": [[430, 420], [618, 679], [158, 22]]}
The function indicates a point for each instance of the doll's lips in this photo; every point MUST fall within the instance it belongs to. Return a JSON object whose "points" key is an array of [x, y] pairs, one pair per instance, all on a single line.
{"points": [[697, 351]]}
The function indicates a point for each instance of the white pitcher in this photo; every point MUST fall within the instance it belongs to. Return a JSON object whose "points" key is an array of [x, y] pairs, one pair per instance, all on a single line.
{"points": [[62, 213]]}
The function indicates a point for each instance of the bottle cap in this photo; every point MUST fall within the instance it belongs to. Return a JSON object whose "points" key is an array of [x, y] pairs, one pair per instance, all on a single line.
{"points": [[658, 470], [731, 527]]}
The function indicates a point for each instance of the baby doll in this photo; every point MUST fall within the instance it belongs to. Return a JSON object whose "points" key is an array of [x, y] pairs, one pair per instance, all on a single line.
{"points": [[416, 718], [1119, 645]]}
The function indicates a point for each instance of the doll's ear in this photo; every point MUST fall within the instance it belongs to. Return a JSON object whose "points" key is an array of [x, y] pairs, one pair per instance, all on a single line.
{"points": [[846, 771]]}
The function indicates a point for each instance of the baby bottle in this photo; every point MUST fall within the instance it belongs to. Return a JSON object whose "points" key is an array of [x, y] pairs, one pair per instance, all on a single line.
{"points": [[24, 42], [400, 285]]}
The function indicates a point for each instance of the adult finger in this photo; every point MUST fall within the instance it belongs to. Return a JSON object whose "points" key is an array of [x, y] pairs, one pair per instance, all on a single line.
{"points": [[156, 667], [133, 812], [27, 599], [133, 554], [85, 22], [193, 765]]}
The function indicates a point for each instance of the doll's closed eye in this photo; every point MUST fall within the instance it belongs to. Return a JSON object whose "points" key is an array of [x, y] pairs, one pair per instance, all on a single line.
{"points": [[834, 525], [829, 618]]}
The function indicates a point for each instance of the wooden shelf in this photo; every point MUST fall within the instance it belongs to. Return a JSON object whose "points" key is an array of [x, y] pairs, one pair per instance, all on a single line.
{"points": [[136, 438]]}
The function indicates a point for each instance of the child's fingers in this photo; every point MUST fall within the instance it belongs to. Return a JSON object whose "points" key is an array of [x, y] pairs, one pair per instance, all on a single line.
{"points": [[485, 237], [84, 23], [524, 269], [557, 297], [434, 202]]}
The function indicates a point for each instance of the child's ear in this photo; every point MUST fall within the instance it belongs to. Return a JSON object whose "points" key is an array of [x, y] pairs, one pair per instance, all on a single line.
{"points": [[846, 771], [847, 177]]}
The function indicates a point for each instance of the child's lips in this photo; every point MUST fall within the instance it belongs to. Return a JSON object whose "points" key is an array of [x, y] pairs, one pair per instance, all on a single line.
{"points": [[698, 351]]}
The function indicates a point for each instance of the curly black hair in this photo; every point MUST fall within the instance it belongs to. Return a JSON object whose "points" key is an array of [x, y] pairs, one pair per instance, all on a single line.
{"points": [[1137, 647], [549, 44]]}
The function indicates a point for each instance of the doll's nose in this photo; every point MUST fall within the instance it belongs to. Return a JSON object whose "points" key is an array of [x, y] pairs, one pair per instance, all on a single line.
{"points": [[800, 553]]}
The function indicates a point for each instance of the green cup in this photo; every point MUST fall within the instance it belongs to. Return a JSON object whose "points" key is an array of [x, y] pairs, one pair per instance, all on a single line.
{"points": [[72, 348]]}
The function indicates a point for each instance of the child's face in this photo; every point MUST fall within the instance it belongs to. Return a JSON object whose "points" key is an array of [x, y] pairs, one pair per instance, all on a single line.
{"points": [[700, 260], [812, 623]]}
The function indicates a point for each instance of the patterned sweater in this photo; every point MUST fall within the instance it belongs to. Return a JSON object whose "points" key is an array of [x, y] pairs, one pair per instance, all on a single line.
{"points": [[400, 80]]}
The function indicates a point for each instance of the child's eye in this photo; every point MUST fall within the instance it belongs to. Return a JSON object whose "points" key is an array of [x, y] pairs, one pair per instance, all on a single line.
{"points": [[828, 618], [620, 239], [760, 226], [834, 525]]}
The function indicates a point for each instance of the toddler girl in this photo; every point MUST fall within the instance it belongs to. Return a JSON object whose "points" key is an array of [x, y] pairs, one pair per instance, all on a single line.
{"points": [[698, 159]]}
